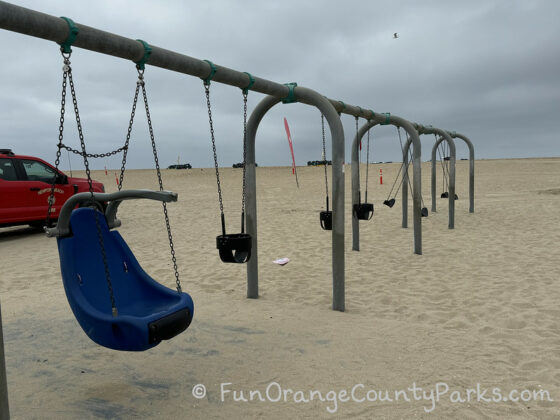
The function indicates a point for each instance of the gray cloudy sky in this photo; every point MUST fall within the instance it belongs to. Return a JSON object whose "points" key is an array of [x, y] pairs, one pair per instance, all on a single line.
{"points": [[487, 69]]}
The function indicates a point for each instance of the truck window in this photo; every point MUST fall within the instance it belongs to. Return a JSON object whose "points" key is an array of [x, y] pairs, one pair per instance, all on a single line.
{"points": [[37, 171], [7, 170]]}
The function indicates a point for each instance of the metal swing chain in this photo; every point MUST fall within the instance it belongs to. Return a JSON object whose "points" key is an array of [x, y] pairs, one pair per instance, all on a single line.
{"points": [[367, 165], [93, 155], [359, 160], [65, 70], [156, 160], [406, 169], [68, 74], [129, 131], [325, 160], [207, 91], [443, 167], [244, 161]]}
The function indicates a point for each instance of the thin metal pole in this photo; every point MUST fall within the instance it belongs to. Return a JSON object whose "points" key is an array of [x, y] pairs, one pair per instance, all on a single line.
{"points": [[471, 166], [444, 135], [251, 193], [417, 171], [4, 407], [307, 96]]}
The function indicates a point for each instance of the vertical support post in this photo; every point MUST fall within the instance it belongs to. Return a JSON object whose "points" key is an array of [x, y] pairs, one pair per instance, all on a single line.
{"points": [[444, 136], [404, 189], [251, 193], [4, 407], [471, 168], [414, 139], [451, 197], [310, 97]]}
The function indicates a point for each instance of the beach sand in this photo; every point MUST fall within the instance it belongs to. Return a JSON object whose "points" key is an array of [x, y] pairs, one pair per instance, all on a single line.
{"points": [[478, 308]]}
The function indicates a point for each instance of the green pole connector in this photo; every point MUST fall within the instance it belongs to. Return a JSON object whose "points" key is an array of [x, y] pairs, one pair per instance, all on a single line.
{"points": [[387, 118], [360, 111], [372, 113], [343, 106], [72, 34], [291, 94], [213, 71], [147, 52], [251, 83]]}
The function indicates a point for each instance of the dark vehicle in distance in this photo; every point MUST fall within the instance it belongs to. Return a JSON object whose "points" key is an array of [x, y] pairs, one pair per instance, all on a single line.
{"points": [[182, 166], [319, 162]]}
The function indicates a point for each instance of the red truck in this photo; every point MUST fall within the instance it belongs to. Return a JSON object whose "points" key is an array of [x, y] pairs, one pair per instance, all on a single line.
{"points": [[25, 187]]}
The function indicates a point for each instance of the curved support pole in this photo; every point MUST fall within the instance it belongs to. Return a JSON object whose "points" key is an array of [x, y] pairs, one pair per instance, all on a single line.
{"points": [[417, 170], [471, 167], [444, 135], [310, 97]]}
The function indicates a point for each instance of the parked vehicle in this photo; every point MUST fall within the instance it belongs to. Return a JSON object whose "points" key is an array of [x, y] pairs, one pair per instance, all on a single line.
{"points": [[25, 188], [319, 162], [181, 166]]}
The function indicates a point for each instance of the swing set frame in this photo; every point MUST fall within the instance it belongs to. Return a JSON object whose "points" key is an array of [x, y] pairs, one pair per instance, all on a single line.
{"points": [[29, 22]]}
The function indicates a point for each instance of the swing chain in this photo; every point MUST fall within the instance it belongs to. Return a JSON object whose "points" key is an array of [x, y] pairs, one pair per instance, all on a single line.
{"points": [[325, 157], [367, 165], [129, 131], [67, 75], [65, 69], [93, 155], [245, 93], [207, 91], [156, 160]]}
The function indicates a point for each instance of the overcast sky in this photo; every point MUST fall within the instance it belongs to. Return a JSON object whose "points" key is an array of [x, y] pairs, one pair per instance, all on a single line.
{"points": [[486, 69]]}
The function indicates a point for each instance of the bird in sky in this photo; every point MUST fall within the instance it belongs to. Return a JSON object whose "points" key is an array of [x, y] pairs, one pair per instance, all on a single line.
{"points": [[395, 36]]}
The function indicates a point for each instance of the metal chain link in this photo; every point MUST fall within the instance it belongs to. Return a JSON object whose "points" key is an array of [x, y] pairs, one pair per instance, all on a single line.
{"points": [[367, 165], [244, 160], [406, 168], [129, 131], [207, 91], [93, 155], [325, 156], [68, 71], [156, 160], [65, 70]]}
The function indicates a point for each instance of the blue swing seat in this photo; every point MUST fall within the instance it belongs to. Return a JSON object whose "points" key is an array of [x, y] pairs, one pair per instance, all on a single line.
{"points": [[148, 312]]}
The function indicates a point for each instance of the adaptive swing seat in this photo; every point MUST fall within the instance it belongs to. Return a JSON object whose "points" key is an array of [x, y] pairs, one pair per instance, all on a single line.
{"points": [[148, 312]]}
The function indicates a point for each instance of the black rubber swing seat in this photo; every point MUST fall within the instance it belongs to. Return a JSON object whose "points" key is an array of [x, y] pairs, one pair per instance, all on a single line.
{"points": [[389, 203], [424, 212], [363, 211], [446, 195], [234, 247], [326, 220]]}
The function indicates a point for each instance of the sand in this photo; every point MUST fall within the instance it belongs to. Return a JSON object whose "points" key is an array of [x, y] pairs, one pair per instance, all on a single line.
{"points": [[478, 308]]}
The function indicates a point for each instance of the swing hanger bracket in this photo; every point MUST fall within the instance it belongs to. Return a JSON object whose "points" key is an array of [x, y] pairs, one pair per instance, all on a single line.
{"points": [[360, 110], [140, 64], [387, 118], [245, 90], [73, 31], [291, 98], [213, 71], [343, 107]]}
